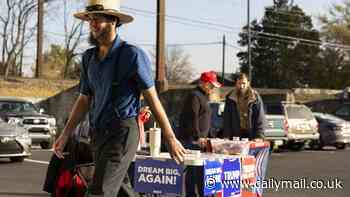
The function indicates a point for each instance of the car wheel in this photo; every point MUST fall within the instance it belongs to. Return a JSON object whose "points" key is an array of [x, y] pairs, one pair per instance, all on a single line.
{"points": [[340, 146], [315, 145], [296, 146], [17, 159], [274, 147], [45, 145]]}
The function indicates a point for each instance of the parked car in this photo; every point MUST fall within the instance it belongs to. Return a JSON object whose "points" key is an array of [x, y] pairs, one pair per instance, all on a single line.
{"points": [[333, 130], [15, 142], [41, 127], [299, 124], [276, 130], [343, 111]]}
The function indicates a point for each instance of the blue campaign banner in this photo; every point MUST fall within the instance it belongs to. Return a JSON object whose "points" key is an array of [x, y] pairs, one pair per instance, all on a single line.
{"points": [[212, 176], [231, 177], [158, 177]]}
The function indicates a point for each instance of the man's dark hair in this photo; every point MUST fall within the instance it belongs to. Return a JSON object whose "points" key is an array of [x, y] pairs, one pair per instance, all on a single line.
{"points": [[113, 18], [240, 76]]}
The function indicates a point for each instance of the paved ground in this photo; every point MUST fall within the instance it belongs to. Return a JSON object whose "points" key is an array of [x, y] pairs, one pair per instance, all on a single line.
{"points": [[324, 169], [25, 179]]}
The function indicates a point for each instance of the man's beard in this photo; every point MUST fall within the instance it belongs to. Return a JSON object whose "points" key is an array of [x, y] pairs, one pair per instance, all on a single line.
{"points": [[101, 38]]}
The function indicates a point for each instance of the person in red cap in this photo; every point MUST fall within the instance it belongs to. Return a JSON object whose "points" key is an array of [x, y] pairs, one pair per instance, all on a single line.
{"points": [[194, 126]]}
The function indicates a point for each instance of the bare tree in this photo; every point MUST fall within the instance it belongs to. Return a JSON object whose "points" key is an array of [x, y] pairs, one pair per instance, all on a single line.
{"points": [[179, 68], [65, 62], [73, 36], [14, 36]]}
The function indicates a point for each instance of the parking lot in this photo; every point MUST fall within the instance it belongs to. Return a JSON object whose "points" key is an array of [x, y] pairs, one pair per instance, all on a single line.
{"points": [[327, 166]]}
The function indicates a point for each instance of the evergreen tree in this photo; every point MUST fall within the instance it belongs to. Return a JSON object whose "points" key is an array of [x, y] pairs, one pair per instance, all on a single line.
{"points": [[282, 62]]}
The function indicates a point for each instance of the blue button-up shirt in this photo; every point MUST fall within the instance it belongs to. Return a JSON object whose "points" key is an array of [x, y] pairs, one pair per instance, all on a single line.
{"points": [[115, 82]]}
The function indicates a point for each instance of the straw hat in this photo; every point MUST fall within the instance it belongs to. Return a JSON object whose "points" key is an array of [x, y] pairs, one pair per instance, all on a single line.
{"points": [[108, 7]]}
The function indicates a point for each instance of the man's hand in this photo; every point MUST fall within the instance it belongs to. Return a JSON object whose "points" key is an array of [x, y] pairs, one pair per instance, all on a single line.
{"points": [[176, 150], [59, 145], [80, 107]]}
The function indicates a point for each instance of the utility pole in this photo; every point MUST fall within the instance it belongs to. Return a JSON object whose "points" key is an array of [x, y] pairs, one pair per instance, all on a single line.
{"points": [[161, 82], [40, 36], [249, 42], [223, 59]]}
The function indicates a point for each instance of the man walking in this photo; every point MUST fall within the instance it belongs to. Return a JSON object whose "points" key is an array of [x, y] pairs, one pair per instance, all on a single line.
{"points": [[114, 74], [244, 114]]}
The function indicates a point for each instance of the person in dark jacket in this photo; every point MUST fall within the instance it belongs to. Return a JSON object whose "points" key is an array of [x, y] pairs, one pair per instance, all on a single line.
{"points": [[194, 126], [244, 114]]}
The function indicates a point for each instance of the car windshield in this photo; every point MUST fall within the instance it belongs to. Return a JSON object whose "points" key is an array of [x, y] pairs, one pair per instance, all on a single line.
{"points": [[299, 112], [274, 109], [16, 107], [330, 117]]}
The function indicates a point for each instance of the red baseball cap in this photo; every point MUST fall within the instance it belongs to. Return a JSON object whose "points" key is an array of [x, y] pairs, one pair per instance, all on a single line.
{"points": [[210, 77]]}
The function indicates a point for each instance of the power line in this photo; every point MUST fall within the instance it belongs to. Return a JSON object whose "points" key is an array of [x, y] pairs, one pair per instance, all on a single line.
{"points": [[63, 35], [222, 28], [184, 44], [184, 19], [304, 40], [188, 23], [193, 44], [185, 23], [233, 46], [287, 41], [272, 21], [297, 42], [288, 28], [150, 44], [233, 28]]}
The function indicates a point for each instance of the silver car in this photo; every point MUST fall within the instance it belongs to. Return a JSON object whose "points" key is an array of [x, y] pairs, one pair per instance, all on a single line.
{"points": [[41, 127], [15, 142], [333, 130], [296, 123]]}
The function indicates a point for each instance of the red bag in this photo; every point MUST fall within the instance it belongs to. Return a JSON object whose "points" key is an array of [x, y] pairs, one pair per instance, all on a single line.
{"points": [[69, 183], [142, 118]]}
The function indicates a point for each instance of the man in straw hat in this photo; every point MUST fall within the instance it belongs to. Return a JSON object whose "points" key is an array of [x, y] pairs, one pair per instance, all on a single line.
{"points": [[114, 74]]}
